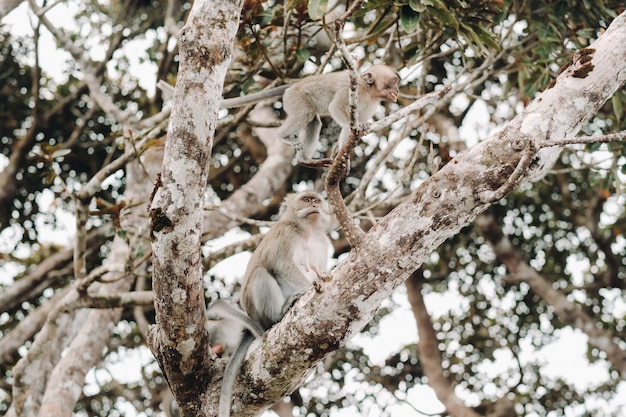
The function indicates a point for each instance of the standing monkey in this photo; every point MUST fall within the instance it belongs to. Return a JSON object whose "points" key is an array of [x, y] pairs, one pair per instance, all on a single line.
{"points": [[328, 95], [281, 269], [325, 95]]}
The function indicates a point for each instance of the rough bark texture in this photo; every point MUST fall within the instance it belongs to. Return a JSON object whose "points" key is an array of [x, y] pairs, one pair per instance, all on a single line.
{"points": [[394, 248], [205, 44]]}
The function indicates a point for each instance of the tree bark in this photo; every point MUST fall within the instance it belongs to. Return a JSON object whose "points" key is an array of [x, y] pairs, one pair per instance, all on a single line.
{"points": [[322, 321], [179, 340]]}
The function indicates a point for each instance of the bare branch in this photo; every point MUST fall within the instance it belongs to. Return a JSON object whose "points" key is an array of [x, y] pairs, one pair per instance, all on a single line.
{"points": [[429, 354], [613, 137], [125, 118], [123, 299], [417, 105]]}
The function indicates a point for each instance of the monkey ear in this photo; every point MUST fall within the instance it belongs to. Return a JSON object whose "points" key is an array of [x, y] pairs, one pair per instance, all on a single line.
{"points": [[368, 78]]}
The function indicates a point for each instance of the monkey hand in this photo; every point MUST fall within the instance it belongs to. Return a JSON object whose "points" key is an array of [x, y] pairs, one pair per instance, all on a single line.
{"points": [[364, 126]]}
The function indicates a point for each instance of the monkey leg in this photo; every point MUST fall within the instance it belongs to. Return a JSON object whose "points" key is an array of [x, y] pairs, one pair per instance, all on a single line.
{"points": [[310, 137], [300, 113], [289, 302], [267, 301]]}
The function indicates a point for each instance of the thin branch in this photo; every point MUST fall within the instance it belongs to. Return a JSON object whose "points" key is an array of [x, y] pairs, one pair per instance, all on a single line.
{"points": [[429, 353], [336, 173], [124, 299], [491, 196], [612, 137], [418, 104], [239, 219], [126, 118], [229, 250], [146, 141]]}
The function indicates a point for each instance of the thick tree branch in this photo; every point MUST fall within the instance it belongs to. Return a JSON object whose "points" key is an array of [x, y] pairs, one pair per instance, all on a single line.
{"points": [[179, 340], [429, 353], [323, 320]]}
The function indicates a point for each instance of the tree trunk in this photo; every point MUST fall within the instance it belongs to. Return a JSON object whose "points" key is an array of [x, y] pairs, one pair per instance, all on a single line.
{"points": [[179, 340]]}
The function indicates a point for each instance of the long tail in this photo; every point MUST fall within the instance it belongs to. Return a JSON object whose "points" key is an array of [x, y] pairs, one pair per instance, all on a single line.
{"points": [[231, 373]]}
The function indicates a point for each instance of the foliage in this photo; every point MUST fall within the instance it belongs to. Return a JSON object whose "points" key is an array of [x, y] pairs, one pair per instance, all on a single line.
{"points": [[570, 227]]}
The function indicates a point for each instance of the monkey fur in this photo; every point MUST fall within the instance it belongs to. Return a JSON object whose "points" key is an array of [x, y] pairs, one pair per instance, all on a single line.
{"points": [[281, 269], [325, 95]]}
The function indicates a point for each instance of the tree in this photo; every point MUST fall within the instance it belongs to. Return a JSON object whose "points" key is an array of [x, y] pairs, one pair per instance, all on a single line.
{"points": [[505, 225]]}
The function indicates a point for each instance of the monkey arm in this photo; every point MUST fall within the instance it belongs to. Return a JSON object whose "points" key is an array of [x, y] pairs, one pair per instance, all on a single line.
{"points": [[229, 103], [339, 110]]}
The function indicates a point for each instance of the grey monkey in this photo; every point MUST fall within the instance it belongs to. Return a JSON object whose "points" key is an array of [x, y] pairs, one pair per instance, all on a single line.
{"points": [[282, 268], [325, 95]]}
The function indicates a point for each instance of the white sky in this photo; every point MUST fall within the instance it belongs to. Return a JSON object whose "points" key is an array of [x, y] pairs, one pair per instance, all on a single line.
{"points": [[565, 357]]}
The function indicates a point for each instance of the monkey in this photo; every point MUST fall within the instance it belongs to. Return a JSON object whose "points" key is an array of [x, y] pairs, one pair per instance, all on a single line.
{"points": [[325, 95], [328, 95], [284, 264], [226, 324], [281, 269]]}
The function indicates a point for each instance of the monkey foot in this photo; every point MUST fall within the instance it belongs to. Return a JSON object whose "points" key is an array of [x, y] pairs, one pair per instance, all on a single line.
{"points": [[316, 163]]}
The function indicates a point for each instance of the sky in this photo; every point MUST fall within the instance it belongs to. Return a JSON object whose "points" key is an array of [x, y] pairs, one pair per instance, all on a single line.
{"points": [[565, 357]]}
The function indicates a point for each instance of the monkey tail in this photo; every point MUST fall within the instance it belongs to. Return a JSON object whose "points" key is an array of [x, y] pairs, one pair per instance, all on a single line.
{"points": [[229, 311], [230, 374]]}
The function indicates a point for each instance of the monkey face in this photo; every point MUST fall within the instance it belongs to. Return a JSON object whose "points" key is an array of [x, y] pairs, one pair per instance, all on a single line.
{"points": [[384, 82], [389, 90], [307, 206], [310, 206]]}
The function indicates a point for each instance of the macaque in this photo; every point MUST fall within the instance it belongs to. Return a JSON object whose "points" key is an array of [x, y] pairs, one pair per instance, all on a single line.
{"points": [[226, 325], [281, 269], [326, 95]]}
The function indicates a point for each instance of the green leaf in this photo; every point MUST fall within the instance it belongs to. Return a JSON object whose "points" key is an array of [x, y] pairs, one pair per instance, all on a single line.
{"points": [[317, 8], [444, 15], [409, 19], [303, 54], [417, 5], [618, 109]]}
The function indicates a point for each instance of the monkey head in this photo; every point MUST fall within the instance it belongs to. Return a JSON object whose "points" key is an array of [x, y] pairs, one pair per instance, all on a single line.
{"points": [[384, 82], [305, 205]]}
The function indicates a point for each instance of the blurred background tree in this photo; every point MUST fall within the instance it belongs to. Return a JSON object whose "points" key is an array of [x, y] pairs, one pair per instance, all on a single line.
{"points": [[68, 111]]}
